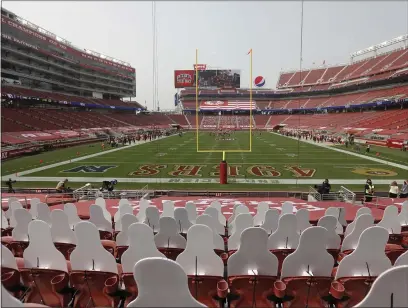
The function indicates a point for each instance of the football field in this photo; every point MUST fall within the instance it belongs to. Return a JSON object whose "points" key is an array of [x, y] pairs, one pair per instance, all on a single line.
{"points": [[174, 161]]}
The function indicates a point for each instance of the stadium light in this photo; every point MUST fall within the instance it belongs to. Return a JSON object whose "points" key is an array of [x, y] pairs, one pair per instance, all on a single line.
{"points": [[393, 41]]}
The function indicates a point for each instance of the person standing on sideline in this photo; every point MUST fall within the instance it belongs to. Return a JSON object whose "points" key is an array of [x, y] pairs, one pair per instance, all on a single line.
{"points": [[404, 190], [368, 149], [368, 191], [394, 190]]}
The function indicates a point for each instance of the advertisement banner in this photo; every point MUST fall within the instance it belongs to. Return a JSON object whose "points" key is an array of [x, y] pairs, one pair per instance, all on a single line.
{"points": [[227, 105], [200, 67], [184, 79], [208, 78]]}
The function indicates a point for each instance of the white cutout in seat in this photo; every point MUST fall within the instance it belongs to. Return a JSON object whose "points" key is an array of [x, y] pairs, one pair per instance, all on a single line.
{"points": [[403, 215], [124, 208], [362, 223], [98, 219], [214, 213], [4, 221], [271, 221], [143, 205], [7, 258], [152, 218], [253, 256], [20, 231], [72, 213], [390, 220], [339, 213], [234, 214], [123, 201], [192, 211], [8, 300], [330, 223], [162, 283], [122, 239], [310, 257], [102, 204], [168, 235], [89, 254], [286, 235], [10, 212], [261, 210], [181, 217], [240, 209], [388, 290], [168, 209], [302, 219], [61, 232], [361, 211], [43, 213], [368, 259], [209, 221], [41, 252], [199, 257], [217, 205], [242, 221], [33, 207], [402, 259], [141, 245], [287, 208]]}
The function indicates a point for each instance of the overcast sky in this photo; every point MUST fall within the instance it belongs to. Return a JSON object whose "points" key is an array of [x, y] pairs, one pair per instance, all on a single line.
{"points": [[222, 31]]}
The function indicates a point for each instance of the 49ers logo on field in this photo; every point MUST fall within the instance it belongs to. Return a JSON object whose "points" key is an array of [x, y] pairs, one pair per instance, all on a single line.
{"points": [[264, 171], [187, 170], [233, 170], [374, 172], [301, 172], [148, 170]]}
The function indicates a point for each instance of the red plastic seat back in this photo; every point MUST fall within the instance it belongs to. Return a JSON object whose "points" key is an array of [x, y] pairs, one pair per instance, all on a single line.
{"points": [[171, 253], [18, 248], [119, 251], [10, 279], [130, 286], [204, 289], [356, 288], [65, 249], [281, 254]]}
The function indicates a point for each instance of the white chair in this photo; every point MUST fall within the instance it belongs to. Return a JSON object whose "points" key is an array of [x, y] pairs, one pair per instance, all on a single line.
{"points": [[4, 221], [214, 213], [141, 246], [402, 259], [199, 257], [181, 217], [22, 218], [330, 223], [261, 210], [234, 214], [361, 211], [217, 205], [152, 218], [368, 258], [340, 214], [10, 212], [43, 213], [162, 283], [271, 221], [122, 239], [389, 289], [286, 235], [8, 300], [209, 221], [168, 209], [7, 259], [123, 201], [33, 207], [102, 204], [287, 208], [253, 256], [192, 211], [124, 208], [143, 205], [362, 223], [390, 220], [72, 213], [242, 221], [12, 206], [302, 219], [98, 219], [168, 235], [61, 231], [403, 215], [240, 209], [311, 257]]}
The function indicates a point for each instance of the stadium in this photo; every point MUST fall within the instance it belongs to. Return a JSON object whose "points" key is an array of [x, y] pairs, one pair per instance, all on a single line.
{"points": [[238, 196]]}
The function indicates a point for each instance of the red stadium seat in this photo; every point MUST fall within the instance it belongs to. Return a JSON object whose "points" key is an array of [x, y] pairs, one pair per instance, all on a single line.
{"points": [[122, 239], [168, 240], [239, 224]]}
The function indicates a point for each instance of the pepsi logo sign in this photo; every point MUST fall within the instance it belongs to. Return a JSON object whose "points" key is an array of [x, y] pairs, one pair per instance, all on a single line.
{"points": [[259, 81], [214, 103]]}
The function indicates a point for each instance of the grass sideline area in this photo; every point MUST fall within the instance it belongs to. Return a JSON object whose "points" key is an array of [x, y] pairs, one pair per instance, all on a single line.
{"points": [[275, 163]]}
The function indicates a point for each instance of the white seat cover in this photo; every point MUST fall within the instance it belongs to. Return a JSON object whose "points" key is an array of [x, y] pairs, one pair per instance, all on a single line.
{"points": [[217, 205], [4, 221], [33, 207], [339, 213], [168, 235], [72, 213], [168, 209], [7, 258], [361, 211], [368, 259], [124, 208], [41, 252], [287, 208], [43, 213], [240, 209], [143, 205], [209, 221], [402, 259], [192, 211], [61, 232], [253, 256], [123, 201], [181, 217], [10, 206], [8, 300], [89, 254], [362, 223], [141, 245], [302, 219], [271, 221], [152, 218], [311, 256], [98, 219], [242, 221], [388, 290], [286, 235], [102, 204], [10, 212], [403, 215], [261, 210], [162, 283], [199, 257], [390, 220], [330, 223], [214, 213], [122, 239], [20, 231], [234, 214]]}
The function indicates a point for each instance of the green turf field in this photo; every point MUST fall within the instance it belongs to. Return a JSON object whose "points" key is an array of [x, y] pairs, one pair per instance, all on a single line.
{"points": [[174, 162]]}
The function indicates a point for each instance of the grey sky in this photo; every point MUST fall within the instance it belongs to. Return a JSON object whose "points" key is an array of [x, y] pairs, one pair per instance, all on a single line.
{"points": [[222, 31]]}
